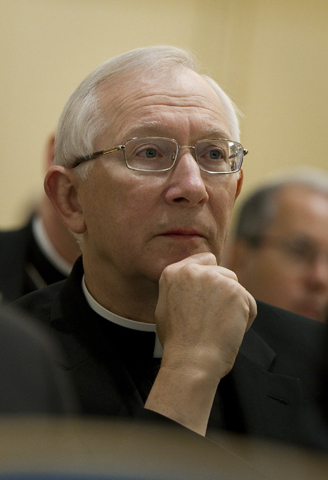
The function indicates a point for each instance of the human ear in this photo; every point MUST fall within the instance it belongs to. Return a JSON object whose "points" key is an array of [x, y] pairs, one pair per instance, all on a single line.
{"points": [[61, 185]]}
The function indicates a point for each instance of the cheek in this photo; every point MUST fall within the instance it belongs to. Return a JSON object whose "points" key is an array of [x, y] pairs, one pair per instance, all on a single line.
{"points": [[131, 205], [101, 205], [221, 204], [127, 209], [223, 191]]}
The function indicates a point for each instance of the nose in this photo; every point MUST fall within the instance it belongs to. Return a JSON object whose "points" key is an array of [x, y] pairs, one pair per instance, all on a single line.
{"points": [[186, 185]]}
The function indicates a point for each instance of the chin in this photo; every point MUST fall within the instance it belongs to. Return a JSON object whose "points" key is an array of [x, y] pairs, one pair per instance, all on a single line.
{"points": [[156, 264], [178, 257]]}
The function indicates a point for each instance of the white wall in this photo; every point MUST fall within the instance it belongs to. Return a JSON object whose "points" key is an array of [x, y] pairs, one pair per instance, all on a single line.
{"points": [[269, 55]]}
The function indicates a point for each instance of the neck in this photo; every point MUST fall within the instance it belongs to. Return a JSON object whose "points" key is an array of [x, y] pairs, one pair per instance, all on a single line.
{"points": [[60, 237], [133, 298]]}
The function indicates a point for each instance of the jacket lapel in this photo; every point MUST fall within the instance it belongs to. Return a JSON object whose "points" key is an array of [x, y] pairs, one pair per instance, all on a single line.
{"points": [[97, 370], [268, 399]]}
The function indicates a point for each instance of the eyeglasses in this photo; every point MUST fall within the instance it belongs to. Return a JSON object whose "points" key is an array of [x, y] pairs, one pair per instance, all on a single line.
{"points": [[159, 154], [299, 251]]}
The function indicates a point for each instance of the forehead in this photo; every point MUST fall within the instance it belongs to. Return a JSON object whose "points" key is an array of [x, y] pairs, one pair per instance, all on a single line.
{"points": [[170, 103], [302, 210]]}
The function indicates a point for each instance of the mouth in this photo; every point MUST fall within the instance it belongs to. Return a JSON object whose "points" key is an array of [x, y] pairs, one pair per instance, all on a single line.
{"points": [[183, 234], [182, 242]]}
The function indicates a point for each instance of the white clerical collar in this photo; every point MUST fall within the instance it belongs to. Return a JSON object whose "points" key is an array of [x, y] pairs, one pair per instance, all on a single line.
{"points": [[123, 322], [48, 249]]}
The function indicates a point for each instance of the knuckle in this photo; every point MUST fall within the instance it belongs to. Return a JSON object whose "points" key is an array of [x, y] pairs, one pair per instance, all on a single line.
{"points": [[211, 258]]}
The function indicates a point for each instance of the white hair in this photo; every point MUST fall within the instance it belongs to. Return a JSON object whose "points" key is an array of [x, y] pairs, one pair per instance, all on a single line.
{"points": [[83, 120]]}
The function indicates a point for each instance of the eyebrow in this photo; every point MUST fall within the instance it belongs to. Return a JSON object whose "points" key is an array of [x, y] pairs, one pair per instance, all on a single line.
{"points": [[156, 128], [145, 128]]}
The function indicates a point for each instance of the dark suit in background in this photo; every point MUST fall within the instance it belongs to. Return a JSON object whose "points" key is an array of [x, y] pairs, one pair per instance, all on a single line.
{"points": [[23, 266], [316, 413], [111, 365], [31, 378]]}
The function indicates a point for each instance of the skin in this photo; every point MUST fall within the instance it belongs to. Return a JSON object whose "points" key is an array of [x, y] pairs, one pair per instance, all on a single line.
{"points": [[270, 276], [60, 237], [152, 242]]}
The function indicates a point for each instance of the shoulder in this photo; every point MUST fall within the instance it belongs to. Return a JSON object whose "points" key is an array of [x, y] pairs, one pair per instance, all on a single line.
{"points": [[273, 323], [13, 246], [29, 368], [12, 237], [22, 331], [294, 338], [52, 300], [39, 303]]}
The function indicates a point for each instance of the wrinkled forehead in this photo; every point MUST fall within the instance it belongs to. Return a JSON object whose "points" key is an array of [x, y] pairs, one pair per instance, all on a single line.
{"points": [[178, 90]]}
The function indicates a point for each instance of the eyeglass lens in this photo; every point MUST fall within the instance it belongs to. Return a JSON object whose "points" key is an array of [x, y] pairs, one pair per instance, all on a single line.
{"points": [[156, 153], [299, 251], [305, 252]]}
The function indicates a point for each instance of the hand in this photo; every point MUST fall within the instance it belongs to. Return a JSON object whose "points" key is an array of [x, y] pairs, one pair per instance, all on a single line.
{"points": [[202, 315]]}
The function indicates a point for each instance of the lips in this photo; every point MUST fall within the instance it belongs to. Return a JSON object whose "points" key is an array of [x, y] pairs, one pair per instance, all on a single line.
{"points": [[181, 232]]}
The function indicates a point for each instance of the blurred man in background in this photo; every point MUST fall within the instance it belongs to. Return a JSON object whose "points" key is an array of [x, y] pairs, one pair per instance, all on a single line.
{"points": [[279, 249], [38, 254]]}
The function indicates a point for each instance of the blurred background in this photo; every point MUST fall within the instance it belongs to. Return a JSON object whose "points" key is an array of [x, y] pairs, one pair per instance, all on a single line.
{"points": [[270, 56]]}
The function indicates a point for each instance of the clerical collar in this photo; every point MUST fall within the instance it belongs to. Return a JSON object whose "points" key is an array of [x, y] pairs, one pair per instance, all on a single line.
{"points": [[48, 249], [123, 322]]}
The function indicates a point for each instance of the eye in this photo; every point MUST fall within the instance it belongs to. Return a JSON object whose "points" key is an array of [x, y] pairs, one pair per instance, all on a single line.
{"points": [[148, 151], [213, 154], [298, 251], [302, 250]]}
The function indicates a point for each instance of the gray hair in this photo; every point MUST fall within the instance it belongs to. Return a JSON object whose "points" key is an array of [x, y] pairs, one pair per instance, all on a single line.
{"points": [[260, 208], [82, 120]]}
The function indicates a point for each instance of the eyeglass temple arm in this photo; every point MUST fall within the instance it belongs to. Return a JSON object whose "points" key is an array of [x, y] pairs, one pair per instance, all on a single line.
{"points": [[94, 155]]}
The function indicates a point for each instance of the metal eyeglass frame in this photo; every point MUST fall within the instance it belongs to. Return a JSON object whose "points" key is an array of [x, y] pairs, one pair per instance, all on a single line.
{"points": [[122, 147]]}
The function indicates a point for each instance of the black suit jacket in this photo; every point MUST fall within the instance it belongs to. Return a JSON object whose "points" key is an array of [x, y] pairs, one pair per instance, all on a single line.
{"points": [[23, 267], [31, 381], [272, 378]]}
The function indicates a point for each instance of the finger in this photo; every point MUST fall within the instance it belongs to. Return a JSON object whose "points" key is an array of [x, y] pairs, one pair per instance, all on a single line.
{"points": [[252, 309], [227, 273], [204, 258]]}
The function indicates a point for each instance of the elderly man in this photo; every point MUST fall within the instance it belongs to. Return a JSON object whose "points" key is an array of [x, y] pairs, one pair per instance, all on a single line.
{"points": [[279, 249], [147, 170]]}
